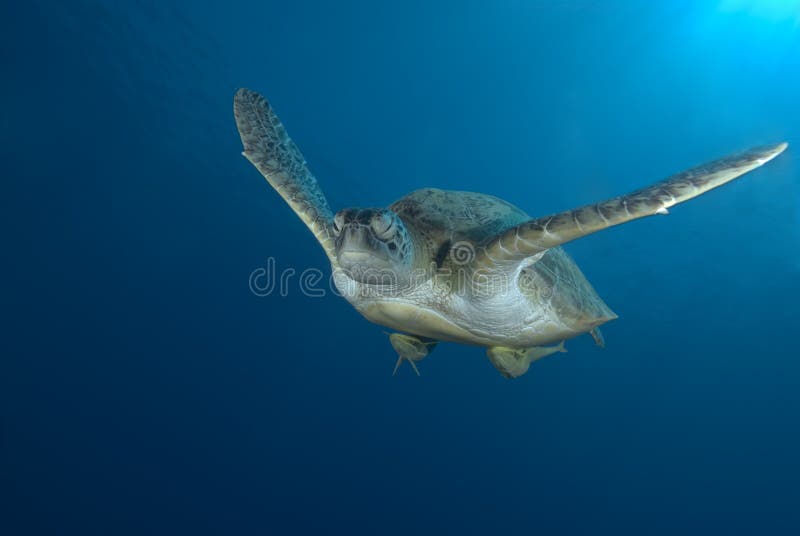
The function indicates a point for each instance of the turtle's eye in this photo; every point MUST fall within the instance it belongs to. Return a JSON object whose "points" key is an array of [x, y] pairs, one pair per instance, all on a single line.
{"points": [[338, 223], [383, 225]]}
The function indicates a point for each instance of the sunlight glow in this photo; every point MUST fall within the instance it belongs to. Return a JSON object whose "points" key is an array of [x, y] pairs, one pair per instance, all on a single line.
{"points": [[773, 10]]}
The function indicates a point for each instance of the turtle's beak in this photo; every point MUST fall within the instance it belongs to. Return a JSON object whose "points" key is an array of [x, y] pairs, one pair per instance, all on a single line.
{"points": [[362, 256], [358, 243]]}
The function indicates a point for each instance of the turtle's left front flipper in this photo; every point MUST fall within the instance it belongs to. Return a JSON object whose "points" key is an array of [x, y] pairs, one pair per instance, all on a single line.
{"points": [[530, 238], [268, 147]]}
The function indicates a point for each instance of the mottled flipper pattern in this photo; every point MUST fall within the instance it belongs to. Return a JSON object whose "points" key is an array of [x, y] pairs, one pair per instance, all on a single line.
{"points": [[268, 147], [516, 244]]}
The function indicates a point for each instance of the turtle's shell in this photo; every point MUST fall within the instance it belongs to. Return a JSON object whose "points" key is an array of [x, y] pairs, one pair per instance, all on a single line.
{"points": [[553, 284], [444, 215]]}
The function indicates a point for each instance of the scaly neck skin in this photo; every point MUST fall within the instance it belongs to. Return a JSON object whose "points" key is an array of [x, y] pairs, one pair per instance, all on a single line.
{"points": [[422, 266]]}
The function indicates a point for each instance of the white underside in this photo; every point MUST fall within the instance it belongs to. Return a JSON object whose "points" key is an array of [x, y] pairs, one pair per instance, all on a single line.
{"points": [[503, 319]]}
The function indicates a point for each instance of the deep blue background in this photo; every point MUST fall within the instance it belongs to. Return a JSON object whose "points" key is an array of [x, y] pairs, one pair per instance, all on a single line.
{"points": [[144, 389]]}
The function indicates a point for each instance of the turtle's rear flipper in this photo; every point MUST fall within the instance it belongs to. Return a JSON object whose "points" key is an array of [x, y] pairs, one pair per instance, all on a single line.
{"points": [[514, 362], [597, 335]]}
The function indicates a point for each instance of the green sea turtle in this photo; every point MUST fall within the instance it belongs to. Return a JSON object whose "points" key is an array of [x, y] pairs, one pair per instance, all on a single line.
{"points": [[464, 267]]}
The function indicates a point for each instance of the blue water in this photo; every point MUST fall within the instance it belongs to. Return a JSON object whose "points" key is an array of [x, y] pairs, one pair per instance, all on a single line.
{"points": [[145, 390]]}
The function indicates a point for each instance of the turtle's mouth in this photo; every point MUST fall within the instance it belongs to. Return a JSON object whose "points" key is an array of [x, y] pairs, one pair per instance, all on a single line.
{"points": [[366, 258]]}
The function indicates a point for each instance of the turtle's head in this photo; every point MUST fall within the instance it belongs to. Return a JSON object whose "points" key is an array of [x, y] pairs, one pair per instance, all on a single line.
{"points": [[373, 246]]}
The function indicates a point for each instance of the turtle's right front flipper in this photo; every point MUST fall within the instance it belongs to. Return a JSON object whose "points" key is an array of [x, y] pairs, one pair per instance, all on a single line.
{"points": [[268, 147], [533, 237]]}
